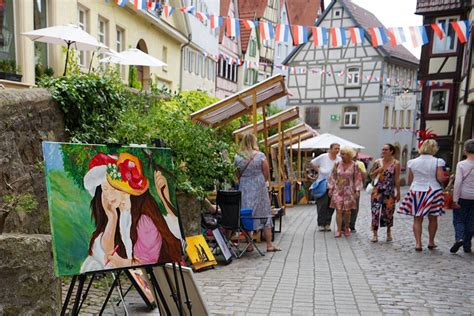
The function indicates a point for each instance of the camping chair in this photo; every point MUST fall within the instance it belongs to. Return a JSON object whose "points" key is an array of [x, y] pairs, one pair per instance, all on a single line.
{"points": [[229, 203]]}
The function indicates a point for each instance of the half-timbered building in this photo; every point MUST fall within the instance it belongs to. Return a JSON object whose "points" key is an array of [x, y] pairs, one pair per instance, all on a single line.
{"points": [[441, 72], [350, 90]]}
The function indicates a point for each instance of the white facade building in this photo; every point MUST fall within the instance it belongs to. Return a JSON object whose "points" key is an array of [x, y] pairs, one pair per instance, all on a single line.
{"points": [[350, 90]]}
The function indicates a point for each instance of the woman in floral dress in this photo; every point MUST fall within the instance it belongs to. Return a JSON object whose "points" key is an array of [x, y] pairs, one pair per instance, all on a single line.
{"points": [[345, 184], [386, 191]]}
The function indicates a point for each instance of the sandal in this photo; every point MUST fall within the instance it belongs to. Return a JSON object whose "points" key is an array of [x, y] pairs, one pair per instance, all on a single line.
{"points": [[389, 236], [418, 249], [347, 232], [374, 238], [431, 247], [273, 249]]}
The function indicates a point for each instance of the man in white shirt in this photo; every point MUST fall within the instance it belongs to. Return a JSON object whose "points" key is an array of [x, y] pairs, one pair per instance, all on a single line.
{"points": [[323, 165]]}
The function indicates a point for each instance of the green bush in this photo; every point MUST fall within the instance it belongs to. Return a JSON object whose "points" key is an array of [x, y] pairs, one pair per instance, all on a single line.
{"points": [[101, 109]]}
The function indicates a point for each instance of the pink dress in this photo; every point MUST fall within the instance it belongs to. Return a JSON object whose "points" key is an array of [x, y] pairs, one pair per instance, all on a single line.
{"points": [[149, 241], [344, 184]]}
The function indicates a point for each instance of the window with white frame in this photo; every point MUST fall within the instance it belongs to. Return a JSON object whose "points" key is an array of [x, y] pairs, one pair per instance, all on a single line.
{"points": [[353, 76], [82, 22], [102, 26], [394, 118], [251, 76], [408, 119], [119, 45], [252, 48], [449, 42], [350, 116], [439, 101], [402, 119]]}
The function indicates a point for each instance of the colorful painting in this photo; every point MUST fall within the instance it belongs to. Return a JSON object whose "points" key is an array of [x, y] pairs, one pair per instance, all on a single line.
{"points": [[110, 207]]}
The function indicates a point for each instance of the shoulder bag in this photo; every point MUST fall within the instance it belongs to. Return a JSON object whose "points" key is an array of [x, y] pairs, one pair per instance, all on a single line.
{"points": [[370, 187], [241, 172]]}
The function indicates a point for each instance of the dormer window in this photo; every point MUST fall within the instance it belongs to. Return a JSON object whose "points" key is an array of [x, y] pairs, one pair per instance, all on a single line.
{"points": [[337, 13]]}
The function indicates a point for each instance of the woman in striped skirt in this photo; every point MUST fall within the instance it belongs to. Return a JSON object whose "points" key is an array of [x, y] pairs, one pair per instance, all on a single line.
{"points": [[425, 197]]}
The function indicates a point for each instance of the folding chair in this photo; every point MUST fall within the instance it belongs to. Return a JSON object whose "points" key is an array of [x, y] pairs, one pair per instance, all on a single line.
{"points": [[229, 203]]}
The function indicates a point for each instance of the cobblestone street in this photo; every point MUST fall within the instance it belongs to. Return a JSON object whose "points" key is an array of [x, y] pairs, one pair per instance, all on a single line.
{"points": [[316, 274]]}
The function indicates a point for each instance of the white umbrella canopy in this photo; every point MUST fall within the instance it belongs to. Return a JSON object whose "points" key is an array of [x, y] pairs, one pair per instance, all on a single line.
{"points": [[67, 35], [323, 141], [133, 56]]}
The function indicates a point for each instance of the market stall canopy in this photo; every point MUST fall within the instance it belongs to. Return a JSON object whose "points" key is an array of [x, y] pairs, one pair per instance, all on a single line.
{"points": [[325, 140], [302, 130], [241, 103], [133, 56], [271, 121]]}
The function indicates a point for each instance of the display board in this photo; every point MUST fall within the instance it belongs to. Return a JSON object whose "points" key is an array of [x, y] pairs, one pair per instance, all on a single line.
{"points": [[110, 207]]}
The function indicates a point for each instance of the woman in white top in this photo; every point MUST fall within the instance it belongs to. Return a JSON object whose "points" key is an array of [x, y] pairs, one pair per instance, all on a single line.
{"points": [[463, 198], [425, 197]]}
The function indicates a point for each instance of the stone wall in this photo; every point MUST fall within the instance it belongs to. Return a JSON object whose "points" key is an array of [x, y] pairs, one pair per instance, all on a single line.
{"points": [[27, 285], [27, 117]]}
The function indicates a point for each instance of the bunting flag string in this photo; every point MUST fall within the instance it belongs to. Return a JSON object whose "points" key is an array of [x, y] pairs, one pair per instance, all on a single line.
{"points": [[321, 36]]}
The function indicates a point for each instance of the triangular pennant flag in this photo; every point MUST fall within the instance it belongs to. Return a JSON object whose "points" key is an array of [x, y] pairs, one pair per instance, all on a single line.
{"points": [[438, 29], [121, 3], [167, 11], [249, 24]]}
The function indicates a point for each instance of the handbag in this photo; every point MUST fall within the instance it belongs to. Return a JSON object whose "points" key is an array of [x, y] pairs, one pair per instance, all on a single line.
{"points": [[370, 187], [319, 188]]}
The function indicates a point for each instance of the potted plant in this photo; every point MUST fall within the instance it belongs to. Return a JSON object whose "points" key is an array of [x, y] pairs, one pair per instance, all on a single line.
{"points": [[9, 70]]}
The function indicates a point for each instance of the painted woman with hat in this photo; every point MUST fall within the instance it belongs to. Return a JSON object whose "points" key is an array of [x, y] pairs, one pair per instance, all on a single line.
{"points": [[130, 229]]}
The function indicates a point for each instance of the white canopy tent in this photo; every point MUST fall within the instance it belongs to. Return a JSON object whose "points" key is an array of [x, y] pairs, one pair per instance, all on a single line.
{"points": [[323, 141]]}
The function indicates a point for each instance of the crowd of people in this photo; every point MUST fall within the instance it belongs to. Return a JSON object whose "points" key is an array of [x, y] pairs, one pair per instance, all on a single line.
{"points": [[427, 177], [341, 176]]}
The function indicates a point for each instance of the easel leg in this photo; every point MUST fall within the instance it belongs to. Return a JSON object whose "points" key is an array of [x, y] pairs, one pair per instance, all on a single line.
{"points": [[68, 295], [87, 291], [178, 292], [117, 277], [114, 283], [75, 308], [187, 302], [157, 290]]}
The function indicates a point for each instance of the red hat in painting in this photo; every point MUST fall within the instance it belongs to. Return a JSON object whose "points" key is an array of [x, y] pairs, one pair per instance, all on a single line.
{"points": [[124, 173]]}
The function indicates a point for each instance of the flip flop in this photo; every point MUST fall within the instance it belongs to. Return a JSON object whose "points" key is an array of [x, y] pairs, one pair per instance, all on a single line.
{"points": [[273, 249]]}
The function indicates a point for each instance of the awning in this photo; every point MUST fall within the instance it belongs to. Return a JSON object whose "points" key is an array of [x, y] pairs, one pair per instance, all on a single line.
{"points": [[271, 121], [302, 130], [241, 103]]}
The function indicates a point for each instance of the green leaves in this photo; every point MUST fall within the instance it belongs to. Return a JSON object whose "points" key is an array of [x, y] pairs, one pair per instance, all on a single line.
{"points": [[101, 109]]}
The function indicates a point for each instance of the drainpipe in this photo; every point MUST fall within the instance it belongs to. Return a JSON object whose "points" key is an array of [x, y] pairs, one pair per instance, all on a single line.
{"points": [[183, 46]]}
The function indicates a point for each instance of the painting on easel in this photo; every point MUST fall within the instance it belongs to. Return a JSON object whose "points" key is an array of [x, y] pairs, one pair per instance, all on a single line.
{"points": [[110, 207]]}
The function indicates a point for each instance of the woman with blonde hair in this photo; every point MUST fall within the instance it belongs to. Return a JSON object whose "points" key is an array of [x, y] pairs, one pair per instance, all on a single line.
{"points": [[345, 184], [425, 198], [254, 174]]}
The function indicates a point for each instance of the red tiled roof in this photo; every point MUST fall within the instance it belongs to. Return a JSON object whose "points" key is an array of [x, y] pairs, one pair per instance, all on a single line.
{"points": [[249, 10], [303, 12]]}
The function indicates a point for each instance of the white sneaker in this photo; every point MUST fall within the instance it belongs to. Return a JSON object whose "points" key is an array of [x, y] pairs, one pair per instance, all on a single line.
{"points": [[327, 228], [321, 228]]}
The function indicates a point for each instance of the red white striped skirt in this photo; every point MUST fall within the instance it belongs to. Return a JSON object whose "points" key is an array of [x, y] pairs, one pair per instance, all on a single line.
{"points": [[416, 203]]}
